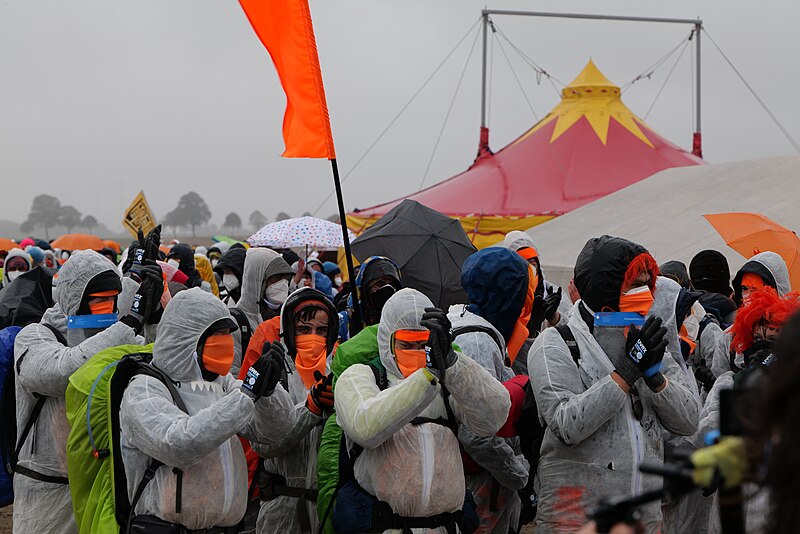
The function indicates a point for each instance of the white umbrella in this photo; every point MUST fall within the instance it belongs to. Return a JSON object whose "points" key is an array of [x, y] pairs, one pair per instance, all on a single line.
{"points": [[300, 232]]}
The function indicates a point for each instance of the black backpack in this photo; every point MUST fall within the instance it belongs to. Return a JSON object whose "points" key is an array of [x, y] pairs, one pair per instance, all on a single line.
{"points": [[12, 443], [244, 328]]}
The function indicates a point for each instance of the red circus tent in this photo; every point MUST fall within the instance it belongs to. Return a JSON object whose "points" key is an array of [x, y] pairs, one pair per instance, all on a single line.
{"points": [[588, 146]]}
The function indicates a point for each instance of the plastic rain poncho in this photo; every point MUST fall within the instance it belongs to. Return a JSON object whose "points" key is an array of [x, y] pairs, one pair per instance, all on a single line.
{"points": [[417, 470], [290, 450], [503, 469], [202, 443], [259, 264], [689, 509], [44, 366], [593, 444]]}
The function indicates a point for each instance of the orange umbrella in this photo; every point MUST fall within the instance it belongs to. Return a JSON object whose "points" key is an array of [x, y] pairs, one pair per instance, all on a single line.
{"points": [[78, 242], [7, 244], [113, 245], [751, 233]]}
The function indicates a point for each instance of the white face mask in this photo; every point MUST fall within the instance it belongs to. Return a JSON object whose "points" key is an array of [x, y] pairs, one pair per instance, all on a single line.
{"points": [[230, 282], [278, 292], [174, 263], [692, 323], [214, 263], [13, 275], [337, 281]]}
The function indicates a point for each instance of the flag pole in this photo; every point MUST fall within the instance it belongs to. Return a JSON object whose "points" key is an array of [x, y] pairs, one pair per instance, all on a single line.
{"points": [[351, 272]]}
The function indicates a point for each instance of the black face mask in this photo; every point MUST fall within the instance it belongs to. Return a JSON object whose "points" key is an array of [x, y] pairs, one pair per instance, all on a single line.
{"points": [[759, 353], [377, 299]]}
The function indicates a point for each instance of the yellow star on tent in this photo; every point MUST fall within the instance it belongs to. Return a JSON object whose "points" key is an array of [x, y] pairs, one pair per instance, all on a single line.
{"points": [[593, 96]]}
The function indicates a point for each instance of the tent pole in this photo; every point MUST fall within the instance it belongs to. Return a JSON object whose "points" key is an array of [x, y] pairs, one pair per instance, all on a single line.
{"points": [[351, 272], [697, 145], [483, 71]]}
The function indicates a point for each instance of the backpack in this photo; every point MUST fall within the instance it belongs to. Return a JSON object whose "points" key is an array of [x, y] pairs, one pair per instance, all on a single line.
{"points": [[531, 432], [11, 443], [244, 328], [97, 479]]}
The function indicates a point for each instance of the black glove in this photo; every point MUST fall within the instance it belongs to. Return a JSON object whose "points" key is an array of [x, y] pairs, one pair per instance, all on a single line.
{"points": [[644, 350], [551, 302], [440, 343], [263, 376], [151, 243], [320, 397], [704, 375], [148, 297]]}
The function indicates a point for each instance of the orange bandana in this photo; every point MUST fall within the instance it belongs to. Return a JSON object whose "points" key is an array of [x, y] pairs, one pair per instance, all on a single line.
{"points": [[409, 360], [218, 354], [752, 281], [311, 356], [638, 300], [520, 332], [528, 253]]}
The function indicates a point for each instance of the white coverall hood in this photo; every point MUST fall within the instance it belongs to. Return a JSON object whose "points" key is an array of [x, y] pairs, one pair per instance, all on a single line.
{"points": [[259, 264], [15, 253], [403, 311], [517, 239], [777, 267], [185, 318]]}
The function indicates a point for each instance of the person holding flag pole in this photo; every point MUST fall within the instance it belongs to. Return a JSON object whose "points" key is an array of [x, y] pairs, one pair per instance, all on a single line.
{"points": [[285, 29]]}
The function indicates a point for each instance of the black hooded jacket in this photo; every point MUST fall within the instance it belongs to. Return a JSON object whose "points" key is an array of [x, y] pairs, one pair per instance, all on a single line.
{"points": [[233, 260], [600, 270]]}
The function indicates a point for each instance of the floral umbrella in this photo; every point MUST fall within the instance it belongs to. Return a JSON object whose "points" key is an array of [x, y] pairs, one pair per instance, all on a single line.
{"points": [[300, 232]]}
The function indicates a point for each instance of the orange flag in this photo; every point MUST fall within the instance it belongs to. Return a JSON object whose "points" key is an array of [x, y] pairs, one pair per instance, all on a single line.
{"points": [[285, 29]]}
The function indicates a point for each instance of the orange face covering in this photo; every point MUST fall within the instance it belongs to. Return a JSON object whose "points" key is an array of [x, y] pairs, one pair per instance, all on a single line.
{"points": [[528, 253], [217, 354], [520, 332], [752, 281], [637, 300], [311, 356], [104, 307], [409, 360]]}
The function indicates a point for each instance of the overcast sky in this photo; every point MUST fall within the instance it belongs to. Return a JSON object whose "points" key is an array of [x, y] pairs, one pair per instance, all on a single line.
{"points": [[101, 98]]}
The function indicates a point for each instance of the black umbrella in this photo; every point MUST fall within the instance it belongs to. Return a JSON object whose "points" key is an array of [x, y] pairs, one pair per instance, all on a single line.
{"points": [[429, 248], [26, 299]]}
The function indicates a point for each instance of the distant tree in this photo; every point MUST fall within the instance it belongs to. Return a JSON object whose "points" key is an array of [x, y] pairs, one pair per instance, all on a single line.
{"points": [[232, 221], [257, 220], [174, 219], [192, 210], [89, 222], [282, 216], [334, 218], [45, 212], [69, 218]]}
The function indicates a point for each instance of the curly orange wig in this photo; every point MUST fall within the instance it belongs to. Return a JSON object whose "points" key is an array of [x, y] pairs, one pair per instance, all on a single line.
{"points": [[642, 262], [762, 307]]}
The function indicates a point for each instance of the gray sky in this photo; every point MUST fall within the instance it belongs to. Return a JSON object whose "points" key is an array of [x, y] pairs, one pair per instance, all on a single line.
{"points": [[102, 98]]}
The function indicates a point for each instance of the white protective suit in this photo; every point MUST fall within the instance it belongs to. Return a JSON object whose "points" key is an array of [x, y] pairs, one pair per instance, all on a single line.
{"points": [[259, 264], [290, 450], [43, 367], [417, 470], [716, 343], [202, 443], [505, 471], [756, 507], [593, 444], [690, 509], [13, 253]]}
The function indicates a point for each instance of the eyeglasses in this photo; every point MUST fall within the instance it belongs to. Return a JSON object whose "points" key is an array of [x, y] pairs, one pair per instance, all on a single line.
{"points": [[636, 404]]}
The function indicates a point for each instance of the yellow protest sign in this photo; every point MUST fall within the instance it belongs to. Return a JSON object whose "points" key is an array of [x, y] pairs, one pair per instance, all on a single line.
{"points": [[138, 215]]}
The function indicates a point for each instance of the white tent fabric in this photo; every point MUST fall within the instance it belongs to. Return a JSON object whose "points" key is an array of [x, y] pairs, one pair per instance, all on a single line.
{"points": [[665, 212]]}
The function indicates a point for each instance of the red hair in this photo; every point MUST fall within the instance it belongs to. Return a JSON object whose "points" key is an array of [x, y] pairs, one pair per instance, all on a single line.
{"points": [[641, 263], [761, 307]]}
